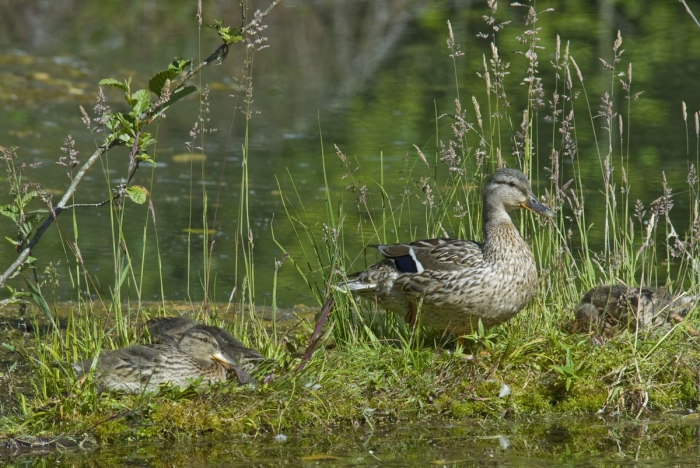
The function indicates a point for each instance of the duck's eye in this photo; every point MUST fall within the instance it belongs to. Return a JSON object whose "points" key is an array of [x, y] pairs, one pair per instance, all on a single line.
{"points": [[512, 184]]}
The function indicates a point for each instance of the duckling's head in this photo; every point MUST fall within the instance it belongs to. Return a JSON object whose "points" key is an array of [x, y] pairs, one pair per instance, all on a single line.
{"points": [[507, 190], [203, 346]]}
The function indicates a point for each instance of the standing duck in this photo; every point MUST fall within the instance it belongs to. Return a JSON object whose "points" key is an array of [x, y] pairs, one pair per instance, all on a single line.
{"points": [[143, 368], [456, 283], [167, 330]]}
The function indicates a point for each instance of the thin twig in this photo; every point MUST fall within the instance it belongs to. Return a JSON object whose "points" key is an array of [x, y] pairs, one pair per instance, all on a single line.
{"points": [[316, 335], [690, 13]]}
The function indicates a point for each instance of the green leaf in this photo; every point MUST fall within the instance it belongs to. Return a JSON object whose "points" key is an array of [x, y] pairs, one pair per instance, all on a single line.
{"points": [[228, 35], [157, 81], [116, 84], [137, 194], [39, 300], [15, 243], [144, 157], [23, 200], [179, 64], [142, 101], [145, 140], [126, 122], [11, 211]]}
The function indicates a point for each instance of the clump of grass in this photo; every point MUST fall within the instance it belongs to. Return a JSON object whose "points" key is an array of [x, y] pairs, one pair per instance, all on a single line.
{"points": [[441, 197]]}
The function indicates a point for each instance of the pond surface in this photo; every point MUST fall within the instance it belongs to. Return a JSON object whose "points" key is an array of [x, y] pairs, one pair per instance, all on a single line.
{"points": [[671, 443], [368, 77]]}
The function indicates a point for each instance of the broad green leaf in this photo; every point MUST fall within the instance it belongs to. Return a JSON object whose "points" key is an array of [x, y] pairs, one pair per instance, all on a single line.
{"points": [[115, 84], [142, 101], [145, 140], [127, 123], [157, 81], [137, 194], [23, 200], [228, 35]]}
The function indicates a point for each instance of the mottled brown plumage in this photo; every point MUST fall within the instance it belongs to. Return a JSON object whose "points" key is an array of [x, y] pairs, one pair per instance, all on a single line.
{"points": [[607, 310], [143, 368], [167, 330], [456, 282]]}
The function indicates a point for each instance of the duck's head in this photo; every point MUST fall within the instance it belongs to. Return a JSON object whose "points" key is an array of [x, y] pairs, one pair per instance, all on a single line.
{"points": [[204, 347], [509, 189]]}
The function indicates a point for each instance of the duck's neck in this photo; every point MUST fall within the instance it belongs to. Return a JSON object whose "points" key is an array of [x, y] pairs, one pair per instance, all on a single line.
{"points": [[502, 241]]}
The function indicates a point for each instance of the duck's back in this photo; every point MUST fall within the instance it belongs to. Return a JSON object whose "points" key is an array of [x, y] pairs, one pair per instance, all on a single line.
{"points": [[143, 368], [491, 284]]}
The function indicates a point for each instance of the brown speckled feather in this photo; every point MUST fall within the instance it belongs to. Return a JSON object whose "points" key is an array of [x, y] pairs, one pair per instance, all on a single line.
{"points": [[143, 368], [167, 330]]}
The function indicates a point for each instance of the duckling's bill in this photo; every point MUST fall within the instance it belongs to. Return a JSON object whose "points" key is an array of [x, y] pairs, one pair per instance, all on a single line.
{"points": [[227, 362]]}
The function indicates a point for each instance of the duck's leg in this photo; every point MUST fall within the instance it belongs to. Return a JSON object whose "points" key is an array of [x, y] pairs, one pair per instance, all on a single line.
{"points": [[412, 314]]}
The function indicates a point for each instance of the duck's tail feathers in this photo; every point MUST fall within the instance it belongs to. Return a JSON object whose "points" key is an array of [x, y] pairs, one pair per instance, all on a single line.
{"points": [[354, 285]]}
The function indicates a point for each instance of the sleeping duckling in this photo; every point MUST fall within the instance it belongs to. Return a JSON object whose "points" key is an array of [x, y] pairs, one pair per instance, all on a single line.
{"points": [[167, 330], [143, 368], [607, 310]]}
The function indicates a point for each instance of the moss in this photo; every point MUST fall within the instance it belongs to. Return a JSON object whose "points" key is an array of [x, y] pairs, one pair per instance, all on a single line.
{"points": [[588, 396], [383, 383]]}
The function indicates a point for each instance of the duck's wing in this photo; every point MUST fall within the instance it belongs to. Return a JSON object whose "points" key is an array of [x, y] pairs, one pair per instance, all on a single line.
{"points": [[433, 254], [134, 357]]}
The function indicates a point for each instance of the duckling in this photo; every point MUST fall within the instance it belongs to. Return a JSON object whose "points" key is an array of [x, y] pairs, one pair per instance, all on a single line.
{"points": [[167, 330], [458, 283], [143, 368], [607, 310]]}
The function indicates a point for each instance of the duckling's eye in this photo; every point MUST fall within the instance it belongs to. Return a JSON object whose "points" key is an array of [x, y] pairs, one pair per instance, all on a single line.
{"points": [[512, 184]]}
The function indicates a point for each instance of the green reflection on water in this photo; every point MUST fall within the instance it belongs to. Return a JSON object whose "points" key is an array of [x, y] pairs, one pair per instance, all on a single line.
{"points": [[369, 92], [594, 442]]}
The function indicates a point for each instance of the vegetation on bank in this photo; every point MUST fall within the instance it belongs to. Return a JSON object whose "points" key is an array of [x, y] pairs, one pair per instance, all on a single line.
{"points": [[371, 369]]}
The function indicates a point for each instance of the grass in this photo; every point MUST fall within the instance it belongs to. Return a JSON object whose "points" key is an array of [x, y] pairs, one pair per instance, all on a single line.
{"points": [[373, 369]]}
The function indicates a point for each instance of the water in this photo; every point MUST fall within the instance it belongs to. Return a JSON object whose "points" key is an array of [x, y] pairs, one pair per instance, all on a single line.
{"points": [[368, 77], [593, 442]]}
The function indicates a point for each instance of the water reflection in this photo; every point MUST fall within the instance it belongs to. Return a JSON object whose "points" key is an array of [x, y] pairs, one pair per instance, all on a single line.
{"points": [[592, 442], [366, 76]]}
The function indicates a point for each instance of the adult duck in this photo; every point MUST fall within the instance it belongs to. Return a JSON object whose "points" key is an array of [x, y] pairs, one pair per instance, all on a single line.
{"points": [[453, 284]]}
